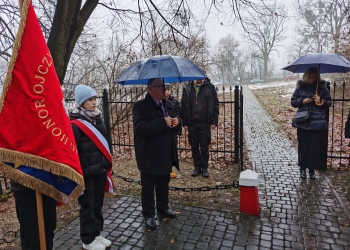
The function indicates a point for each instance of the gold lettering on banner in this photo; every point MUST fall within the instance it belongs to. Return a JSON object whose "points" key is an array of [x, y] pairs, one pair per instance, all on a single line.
{"points": [[42, 79], [56, 133], [43, 72], [40, 105], [41, 115], [48, 123], [65, 139], [72, 147], [38, 90], [45, 60]]}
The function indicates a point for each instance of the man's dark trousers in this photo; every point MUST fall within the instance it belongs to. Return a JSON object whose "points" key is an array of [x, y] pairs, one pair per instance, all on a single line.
{"points": [[28, 218], [159, 183], [199, 138]]}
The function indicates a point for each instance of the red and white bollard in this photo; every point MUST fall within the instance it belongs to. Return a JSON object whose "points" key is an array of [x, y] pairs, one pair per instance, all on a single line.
{"points": [[249, 198]]}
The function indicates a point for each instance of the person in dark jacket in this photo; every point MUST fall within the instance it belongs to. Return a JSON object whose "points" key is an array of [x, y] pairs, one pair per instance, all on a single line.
{"points": [[200, 112], [171, 98], [312, 94], [347, 127], [25, 200], [94, 165], [155, 135], [176, 104]]}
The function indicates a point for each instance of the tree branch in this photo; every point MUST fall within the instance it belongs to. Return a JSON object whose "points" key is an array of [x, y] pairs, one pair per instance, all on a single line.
{"points": [[121, 10], [172, 27]]}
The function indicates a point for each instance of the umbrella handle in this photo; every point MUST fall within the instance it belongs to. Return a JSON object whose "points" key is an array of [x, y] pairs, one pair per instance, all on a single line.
{"points": [[319, 103]]}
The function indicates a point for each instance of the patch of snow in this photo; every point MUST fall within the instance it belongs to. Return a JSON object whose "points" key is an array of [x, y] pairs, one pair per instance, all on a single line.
{"points": [[272, 84], [287, 85], [287, 96]]}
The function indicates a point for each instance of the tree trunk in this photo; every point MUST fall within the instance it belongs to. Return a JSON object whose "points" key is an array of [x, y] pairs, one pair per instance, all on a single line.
{"points": [[336, 39], [68, 23], [265, 67]]}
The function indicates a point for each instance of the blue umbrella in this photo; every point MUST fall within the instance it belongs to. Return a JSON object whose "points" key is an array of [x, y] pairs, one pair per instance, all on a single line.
{"points": [[325, 62], [170, 68]]}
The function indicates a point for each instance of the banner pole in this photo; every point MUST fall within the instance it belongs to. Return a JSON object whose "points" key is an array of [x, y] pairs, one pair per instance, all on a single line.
{"points": [[41, 226]]}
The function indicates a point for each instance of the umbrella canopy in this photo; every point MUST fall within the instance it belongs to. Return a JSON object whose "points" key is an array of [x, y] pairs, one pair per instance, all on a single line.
{"points": [[325, 62], [170, 68]]}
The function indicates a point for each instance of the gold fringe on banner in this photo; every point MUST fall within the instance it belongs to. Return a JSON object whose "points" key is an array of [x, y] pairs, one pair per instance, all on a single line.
{"points": [[20, 3], [16, 47], [40, 186], [38, 162], [34, 161]]}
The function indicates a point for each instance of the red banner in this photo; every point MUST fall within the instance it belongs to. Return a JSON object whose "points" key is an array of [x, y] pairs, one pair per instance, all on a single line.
{"points": [[35, 131]]}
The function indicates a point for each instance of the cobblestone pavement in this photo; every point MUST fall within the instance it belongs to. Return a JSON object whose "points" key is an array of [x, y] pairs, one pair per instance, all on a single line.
{"points": [[295, 213]]}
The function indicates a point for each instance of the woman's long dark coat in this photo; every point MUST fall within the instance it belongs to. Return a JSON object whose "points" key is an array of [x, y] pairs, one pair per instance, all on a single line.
{"points": [[312, 134], [155, 143], [318, 119]]}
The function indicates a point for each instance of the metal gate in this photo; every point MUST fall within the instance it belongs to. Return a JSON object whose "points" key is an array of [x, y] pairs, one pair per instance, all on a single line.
{"points": [[227, 139], [338, 145]]}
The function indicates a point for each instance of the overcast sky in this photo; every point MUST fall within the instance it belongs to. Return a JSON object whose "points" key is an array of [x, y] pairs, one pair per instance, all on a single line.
{"points": [[219, 25]]}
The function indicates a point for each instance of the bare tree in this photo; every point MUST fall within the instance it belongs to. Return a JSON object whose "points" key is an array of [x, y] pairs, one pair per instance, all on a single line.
{"points": [[225, 58], [311, 23], [298, 48], [264, 32], [161, 41], [322, 21], [337, 14], [242, 60], [9, 18], [65, 21]]}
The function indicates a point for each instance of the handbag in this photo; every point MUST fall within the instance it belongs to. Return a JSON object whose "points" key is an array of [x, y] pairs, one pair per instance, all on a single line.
{"points": [[302, 116]]}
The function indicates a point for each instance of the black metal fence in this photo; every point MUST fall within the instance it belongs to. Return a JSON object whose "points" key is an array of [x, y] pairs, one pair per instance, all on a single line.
{"points": [[338, 145], [227, 138]]}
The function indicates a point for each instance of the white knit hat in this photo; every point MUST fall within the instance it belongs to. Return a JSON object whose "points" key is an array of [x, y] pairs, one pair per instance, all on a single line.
{"points": [[82, 93]]}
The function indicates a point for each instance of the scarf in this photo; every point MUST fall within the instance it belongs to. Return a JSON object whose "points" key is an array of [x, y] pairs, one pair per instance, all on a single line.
{"points": [[92, 116], [197, 87]]}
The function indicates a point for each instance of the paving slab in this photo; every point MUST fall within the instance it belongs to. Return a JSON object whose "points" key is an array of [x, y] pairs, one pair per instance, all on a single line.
{"points": [[295, 213]]}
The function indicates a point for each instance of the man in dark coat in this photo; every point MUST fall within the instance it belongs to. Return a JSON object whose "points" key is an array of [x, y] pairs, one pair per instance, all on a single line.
{"points": [[200, 112], [155, 129]]}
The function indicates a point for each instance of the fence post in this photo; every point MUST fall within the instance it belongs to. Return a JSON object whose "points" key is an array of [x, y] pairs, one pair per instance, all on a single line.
{"points": [[107, 121], [241, 128], [236, 123]]}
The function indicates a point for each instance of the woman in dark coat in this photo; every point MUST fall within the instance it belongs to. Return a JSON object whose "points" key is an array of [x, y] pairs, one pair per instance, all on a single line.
{"points": [[312, 94]]}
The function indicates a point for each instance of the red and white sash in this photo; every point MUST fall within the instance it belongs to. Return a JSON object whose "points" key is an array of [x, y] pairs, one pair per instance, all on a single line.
{"points": [[102, 145]]}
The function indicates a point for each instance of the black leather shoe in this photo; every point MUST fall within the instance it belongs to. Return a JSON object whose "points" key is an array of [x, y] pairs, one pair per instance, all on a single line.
{"points": [[196, 172], [150, 223], [302, 173], [205, 172], [312, 174], [169, 213]]}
